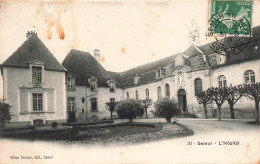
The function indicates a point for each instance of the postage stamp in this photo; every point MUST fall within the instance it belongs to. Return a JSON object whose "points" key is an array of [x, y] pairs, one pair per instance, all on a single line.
{"points": [[230, 24]]}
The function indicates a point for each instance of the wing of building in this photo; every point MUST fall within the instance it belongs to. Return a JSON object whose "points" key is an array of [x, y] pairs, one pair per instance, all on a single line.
{"points": [[179, 76], [34, 84], [40, 90]]}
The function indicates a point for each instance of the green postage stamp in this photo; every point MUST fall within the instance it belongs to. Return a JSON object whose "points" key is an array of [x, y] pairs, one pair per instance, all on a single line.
{"points": [[230, 18]]}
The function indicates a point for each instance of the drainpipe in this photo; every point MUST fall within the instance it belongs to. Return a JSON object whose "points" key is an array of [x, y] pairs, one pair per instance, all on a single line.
{"points": [[86, 103]]}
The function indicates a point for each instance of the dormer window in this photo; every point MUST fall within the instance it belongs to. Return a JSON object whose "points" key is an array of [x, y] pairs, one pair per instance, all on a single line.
{"points": [[36, 74], [137, 79], [70, 83], [162, 72], [158, 74], [93, 84], [221, 58], [112, 86]]}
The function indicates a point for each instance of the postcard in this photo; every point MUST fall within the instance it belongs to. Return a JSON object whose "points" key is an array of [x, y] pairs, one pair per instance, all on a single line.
{"points": [[129, 81]]}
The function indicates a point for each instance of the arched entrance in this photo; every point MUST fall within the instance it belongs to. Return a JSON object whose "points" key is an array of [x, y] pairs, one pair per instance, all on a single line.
{"points": [[182, 100]]}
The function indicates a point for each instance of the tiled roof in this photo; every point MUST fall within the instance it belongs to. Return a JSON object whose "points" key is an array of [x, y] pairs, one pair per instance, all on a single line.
{"points": [[33, 49], [147, 67], [202, 57], [251, 52], [82, 65]]}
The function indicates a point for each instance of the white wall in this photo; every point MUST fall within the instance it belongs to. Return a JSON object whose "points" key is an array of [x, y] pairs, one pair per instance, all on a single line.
{"points": [[103, 95], [235, 76], [18, 83]]}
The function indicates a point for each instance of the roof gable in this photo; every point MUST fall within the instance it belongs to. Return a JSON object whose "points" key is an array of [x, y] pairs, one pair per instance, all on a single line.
{"points": [[82, 65], [31, 50]]}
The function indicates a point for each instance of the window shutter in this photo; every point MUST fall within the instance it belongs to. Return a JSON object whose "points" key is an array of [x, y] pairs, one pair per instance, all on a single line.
{"points": [[23, 101], [50, 98]]}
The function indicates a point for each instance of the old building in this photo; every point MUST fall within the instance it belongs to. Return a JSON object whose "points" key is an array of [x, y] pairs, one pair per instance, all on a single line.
{"points": [[179, 76], [34, 84], [89, 86]]}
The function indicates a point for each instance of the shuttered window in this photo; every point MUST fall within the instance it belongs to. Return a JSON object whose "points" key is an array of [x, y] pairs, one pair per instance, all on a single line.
{"points": [[198, 86], [147, 93], [94, 104], [136, 95], [159, 92], [167, 90]]}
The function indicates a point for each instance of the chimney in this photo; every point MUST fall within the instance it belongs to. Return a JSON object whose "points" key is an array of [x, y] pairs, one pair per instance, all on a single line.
{"points": [[97, 55], [29, 34]]}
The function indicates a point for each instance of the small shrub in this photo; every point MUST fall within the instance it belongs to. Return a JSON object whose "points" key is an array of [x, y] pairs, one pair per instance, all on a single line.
{"points": [[4, 113], [165, 108], [54, 124], [129, 109]]}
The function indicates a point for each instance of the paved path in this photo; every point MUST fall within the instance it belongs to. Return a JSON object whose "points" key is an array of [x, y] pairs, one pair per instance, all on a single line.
{"points": [[168, 151]]}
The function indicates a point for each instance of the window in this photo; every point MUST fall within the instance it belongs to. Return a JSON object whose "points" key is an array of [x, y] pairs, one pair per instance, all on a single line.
{"points": [[70, 83], [167, 90], [112, 85], [83, 100], [249, 77], [38, 122], [222, 82], [37, 101], [112, 99], [198, 85], [36, 75], [93, 84], [94, 104], [158, 73], [127, 95], [136, 95], [159, 92], [137, 79], [71, 104], [147, 93], [163, 72]]}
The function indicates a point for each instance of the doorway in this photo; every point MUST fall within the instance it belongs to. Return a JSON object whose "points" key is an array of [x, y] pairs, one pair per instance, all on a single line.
{"points": [[182, 100]]}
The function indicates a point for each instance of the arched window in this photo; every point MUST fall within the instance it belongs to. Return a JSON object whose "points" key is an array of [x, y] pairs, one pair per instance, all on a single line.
{"points": [[147, 93], [136, 95], [249, 77], [127, 95], [198, 85], [167, 90], [222, 81], [159, 92]]}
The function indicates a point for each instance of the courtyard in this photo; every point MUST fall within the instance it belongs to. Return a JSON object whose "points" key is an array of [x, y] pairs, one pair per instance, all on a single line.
{"points": [[245, 147]]}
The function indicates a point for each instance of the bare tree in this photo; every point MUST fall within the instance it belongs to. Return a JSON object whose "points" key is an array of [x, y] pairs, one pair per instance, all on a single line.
{"points": [[233, 94], [204, 98], [146, 103], [252, 91], [218, 95]]}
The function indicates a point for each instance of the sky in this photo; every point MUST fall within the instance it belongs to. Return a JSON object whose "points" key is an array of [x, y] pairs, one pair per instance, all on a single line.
{"points": [[127, 33]]}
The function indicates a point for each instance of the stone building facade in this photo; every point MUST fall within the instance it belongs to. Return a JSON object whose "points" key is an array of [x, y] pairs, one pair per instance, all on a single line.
{"points": [[34, 85]]}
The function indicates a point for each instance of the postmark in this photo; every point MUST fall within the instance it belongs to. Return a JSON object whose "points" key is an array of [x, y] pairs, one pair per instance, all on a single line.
{"points": [[230, 25]]}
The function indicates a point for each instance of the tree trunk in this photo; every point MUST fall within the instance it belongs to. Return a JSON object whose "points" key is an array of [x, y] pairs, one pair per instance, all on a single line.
{"points": [[111, 116], [169, 120], [146, 113], [232, 111], [219, 113], [257, 111], [205, 111]]}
